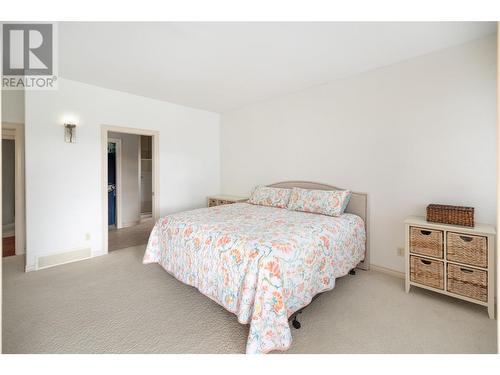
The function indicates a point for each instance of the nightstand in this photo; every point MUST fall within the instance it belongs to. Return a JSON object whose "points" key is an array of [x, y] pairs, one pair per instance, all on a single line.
{"points": [[217, 200], [453, 260]]}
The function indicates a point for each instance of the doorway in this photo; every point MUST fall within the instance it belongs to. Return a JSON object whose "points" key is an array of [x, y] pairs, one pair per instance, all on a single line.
{"points": [[130, 166], [8, 197], [114, 183], [13, 234], [145, 173]]}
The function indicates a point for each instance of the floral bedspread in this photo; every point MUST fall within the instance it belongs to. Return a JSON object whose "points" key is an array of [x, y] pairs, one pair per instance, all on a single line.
{"points": [[260, 263]]}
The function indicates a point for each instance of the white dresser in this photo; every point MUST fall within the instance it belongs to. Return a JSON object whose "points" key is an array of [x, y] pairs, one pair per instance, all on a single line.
{"points": [[453, 260]]}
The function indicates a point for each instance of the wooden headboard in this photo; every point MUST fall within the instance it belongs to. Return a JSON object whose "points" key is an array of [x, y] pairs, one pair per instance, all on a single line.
{"points": [[358, 205]]}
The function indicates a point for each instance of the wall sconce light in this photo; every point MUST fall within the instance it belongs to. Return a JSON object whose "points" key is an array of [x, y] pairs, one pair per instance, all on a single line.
{"points": [[70, 133]]}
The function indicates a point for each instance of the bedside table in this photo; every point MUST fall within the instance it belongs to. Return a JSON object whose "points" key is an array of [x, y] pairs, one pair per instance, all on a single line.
{"points": [[217, 200], [453, 260]]}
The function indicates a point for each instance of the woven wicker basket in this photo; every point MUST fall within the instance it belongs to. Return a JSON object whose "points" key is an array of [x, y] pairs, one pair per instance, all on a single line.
{"points": [[467, 249], [468, 282], [455, 215], [426, 242], [427, 272]]}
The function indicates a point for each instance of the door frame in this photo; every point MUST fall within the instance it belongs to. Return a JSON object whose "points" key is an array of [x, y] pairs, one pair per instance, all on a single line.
{"points": [[118, 208], [105, 129], [15, 131]]}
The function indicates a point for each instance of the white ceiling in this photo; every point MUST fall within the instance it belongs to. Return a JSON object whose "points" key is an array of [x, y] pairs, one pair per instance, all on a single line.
{"points": [[223, 66]]}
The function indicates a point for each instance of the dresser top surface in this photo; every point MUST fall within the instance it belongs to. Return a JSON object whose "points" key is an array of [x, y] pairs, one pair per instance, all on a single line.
{"points": [[477, 228]]}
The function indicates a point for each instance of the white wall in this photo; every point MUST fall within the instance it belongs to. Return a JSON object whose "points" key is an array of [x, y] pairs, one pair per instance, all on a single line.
{"points": [[13, 106], [8, 181], [418, 132], [131, 205], [63, 180]]}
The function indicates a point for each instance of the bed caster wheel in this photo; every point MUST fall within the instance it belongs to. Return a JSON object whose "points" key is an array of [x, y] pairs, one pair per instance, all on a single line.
{"points": [[296, 324], [352, 272]]}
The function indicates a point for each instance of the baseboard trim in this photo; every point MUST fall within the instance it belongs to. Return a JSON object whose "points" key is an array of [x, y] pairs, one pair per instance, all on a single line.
{"points": [[30, 268], [63, 258], [130, 224], [387, 271]]}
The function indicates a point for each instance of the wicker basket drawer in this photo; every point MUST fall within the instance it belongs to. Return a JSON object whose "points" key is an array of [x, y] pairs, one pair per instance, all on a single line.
{"points": [[427, 272], [465, 248], [468, 282], [426, 242]]}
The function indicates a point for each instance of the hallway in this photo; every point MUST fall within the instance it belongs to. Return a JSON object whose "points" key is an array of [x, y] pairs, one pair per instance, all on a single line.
{"points": [[130, 236]]}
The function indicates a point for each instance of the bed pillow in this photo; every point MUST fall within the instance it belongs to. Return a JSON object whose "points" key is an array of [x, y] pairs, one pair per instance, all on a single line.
{"points": [[326, 202], [269, 196]]}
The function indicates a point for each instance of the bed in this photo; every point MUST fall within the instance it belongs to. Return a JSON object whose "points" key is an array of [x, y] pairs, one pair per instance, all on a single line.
{"points": [[263, 264]]}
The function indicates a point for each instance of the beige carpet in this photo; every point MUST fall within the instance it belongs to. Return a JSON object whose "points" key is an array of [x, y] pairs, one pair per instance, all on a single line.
{"points": [[130, 236], [114, 304]]}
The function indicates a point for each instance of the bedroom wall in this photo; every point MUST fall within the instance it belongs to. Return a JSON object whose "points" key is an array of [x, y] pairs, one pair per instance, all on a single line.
{"points": [[417, 132], [131, 205], [13, 106], [63, 207]]}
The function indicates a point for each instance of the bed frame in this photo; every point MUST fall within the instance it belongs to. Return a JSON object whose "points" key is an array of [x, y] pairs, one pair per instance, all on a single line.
{"points": [[358, 205]]}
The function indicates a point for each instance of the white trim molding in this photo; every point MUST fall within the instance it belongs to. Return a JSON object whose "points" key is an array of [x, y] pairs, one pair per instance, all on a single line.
{"points": [[387, 271], [498, 182], [131, 224], [58, 259], [16, 132]]}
